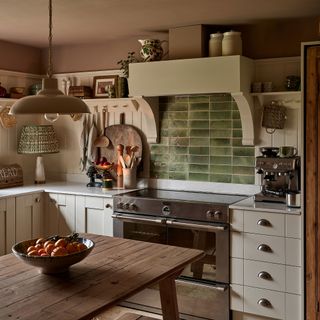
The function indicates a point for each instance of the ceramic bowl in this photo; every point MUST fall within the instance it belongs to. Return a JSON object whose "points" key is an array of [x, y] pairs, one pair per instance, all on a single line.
{"points": [[49, 265]]}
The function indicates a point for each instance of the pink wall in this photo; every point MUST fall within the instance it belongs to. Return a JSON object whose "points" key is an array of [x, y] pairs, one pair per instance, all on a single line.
{"points": [[16, 57]]}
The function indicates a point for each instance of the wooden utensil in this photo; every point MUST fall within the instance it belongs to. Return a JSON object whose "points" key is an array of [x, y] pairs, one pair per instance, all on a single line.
{"points": [[120, 148], [102, 141], [133, 150], [7, 120]]}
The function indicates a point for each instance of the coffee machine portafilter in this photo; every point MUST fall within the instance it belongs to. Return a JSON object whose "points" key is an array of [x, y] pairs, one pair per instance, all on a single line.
{"points": [[279, 176]]}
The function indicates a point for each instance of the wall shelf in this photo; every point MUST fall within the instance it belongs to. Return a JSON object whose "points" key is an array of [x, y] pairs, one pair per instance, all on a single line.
{"points": [[287, 98]]}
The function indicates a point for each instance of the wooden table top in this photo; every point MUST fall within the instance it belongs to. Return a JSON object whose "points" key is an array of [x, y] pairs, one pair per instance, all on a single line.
{"points": [[115, 269]]}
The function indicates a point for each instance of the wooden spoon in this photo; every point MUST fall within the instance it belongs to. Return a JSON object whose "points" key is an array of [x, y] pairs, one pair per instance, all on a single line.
{"points": [[102, 141], [133, 150]]}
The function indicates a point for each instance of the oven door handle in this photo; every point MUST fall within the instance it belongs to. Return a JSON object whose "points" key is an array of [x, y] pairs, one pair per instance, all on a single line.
{"points": [[196, 226], [130, 218]]}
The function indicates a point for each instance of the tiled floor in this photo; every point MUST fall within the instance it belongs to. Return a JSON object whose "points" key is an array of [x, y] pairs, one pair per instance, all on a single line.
{"points": [[117, 312]]}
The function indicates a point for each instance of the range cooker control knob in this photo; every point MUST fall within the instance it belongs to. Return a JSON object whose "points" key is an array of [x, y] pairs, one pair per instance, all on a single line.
{"points": [[214, 214], [120, 205], [126, 206], [275, 166], [133, 207]]}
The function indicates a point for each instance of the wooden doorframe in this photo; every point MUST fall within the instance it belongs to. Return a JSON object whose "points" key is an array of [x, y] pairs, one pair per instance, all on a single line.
{"points": [[312, 180]]}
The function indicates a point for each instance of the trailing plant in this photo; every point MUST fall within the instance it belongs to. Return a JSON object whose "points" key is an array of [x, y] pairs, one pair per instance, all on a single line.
{"points": [[124, 63]]}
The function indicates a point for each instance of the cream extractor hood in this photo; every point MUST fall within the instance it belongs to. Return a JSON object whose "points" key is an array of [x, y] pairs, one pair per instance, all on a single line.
{"points": [[229, 74]]}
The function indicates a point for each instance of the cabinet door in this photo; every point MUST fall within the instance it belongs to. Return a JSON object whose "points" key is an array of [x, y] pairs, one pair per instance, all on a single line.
{"points": [[60, 218], [94, 215], [28, 222], [3, 216]]}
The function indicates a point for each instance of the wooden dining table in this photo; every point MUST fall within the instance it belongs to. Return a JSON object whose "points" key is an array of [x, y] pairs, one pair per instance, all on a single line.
{"points": [[115, 269]]}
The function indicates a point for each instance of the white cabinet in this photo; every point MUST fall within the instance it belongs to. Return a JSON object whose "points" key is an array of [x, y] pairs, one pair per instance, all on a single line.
{"points": [[94, 215], [60, 214], [266, 260], [7, 224], [29, 217]]}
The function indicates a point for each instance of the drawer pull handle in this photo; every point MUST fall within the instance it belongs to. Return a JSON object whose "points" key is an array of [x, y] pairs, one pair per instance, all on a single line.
{"points": [[264, 275], [108, 206], [264, 303], [264, 223], [264, 247], [37, 200]]}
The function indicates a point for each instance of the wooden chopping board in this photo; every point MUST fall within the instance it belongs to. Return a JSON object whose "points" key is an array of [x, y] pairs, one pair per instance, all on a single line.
{"points": [[121, 134]]}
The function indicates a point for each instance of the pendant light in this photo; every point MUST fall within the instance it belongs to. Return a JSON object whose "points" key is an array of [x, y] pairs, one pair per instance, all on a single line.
{"points": [[50, 100]]}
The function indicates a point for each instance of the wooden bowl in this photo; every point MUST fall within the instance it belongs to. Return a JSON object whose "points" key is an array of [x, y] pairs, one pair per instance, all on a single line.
{"points": [[106, 167], [50, 264]]}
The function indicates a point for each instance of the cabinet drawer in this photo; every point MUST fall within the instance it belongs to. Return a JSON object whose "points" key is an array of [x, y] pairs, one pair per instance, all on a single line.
{"points": [[94, 203], [264, 248], [264, 275], [268, 223], [264, 302]]}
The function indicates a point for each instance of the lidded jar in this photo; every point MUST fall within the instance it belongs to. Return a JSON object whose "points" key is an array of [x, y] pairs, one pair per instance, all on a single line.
{"points": [[215, 44], [231, 43]]}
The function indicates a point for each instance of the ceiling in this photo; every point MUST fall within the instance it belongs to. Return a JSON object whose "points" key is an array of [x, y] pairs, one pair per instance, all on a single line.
{"points": [[93, 21]]}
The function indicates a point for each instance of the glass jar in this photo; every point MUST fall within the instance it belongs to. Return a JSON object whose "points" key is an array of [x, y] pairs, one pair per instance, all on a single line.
{"points": [[215, 44], [231, 43]]}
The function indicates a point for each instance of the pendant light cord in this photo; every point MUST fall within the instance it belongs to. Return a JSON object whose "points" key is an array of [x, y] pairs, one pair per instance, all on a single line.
{"points": [[50, 71]]}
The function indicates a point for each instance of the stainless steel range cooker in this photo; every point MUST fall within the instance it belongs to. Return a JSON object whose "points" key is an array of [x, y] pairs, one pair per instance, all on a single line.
{"points": [[185, 219]]}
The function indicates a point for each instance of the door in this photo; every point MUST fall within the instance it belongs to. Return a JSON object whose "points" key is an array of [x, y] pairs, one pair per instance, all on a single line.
{"points": [[94, 215], [312, 180]]}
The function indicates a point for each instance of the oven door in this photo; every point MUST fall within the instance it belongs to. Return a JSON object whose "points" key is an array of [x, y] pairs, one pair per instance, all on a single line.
{"points": [[140, 227], [212, 238]]}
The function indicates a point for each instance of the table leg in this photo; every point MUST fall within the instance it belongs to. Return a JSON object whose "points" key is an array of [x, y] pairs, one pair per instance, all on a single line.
{"points": [[168, 296]]}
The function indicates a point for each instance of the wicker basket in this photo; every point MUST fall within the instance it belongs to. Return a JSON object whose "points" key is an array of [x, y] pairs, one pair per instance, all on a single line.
{"points": [[273, 117]]}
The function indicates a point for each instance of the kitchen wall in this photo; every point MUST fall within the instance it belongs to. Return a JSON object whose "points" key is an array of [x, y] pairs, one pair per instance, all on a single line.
{"points": [[200, 139]]}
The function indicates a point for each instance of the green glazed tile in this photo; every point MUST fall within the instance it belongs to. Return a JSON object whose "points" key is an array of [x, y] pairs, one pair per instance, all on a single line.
{"points": [[236, 142], [199, 124], [164, 132], [199, 168], [220, 106], [159, 149], [224, 178], [220, 142], [221, 169], [235, 114], [173, 157], [197, 133], [236, 133], [221, 133], [160, 175], [178, 167], [178, 123], [216, 160], [178, 150], [198, 159], [244, 161], [199, 142], [164, 140], [220, 124], [236, 123], [220, 97], [178, 141], [243, 179], [182, 98], [220, 115], [199, 150], [198, 176], [244, 151], [178, 132], [199, 98], [164, 123], [178, 106], [178, 115], [164, 115], [203, 106], [160, 157], [163, 99], [234, 106], [198, 115], [243, 170], [160, 166], [220, 151], [178, 175]]}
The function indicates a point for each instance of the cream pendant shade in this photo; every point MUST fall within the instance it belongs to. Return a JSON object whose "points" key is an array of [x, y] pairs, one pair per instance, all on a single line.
{"points": [[49, 100]]}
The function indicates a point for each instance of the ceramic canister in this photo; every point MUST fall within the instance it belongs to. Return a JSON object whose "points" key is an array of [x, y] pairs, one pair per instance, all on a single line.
{"points": [[231, 43], [215, 44]]}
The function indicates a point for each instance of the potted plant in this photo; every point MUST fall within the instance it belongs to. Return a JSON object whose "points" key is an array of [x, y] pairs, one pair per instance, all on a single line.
{"points": [[124, 67]]}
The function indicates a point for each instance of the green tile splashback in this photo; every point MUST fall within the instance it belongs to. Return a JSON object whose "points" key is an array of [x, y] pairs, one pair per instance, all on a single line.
{"points": [[200, 140]]}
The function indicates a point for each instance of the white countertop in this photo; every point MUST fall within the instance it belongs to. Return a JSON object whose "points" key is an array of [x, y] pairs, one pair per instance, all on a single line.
{"points": [[61, 187], [250, 204]]}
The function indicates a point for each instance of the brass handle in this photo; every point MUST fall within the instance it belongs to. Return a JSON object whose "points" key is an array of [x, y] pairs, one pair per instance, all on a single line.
{"points": [[264, 247], [37, 199], [108, 206], [264, 303], [264, 223], [264, 275]]}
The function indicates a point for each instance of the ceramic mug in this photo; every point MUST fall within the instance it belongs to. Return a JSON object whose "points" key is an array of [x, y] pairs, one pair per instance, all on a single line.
{"points": [[287, 151]]}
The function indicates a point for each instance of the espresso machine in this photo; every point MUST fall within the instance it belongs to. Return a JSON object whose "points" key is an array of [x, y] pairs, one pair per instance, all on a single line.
{"points": [[279, 176]]}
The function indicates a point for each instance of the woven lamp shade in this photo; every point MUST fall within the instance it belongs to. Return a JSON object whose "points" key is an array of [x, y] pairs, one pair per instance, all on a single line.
{"points": [[38, 140]]}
